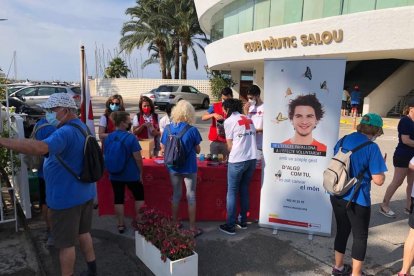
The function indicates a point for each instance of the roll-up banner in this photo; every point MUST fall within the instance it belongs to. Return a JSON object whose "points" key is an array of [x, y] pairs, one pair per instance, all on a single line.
{"points": [[302, 102]]}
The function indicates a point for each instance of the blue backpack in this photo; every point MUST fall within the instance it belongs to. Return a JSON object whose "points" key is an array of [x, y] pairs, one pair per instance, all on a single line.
{"points": [[175, 154], [116, 154]]}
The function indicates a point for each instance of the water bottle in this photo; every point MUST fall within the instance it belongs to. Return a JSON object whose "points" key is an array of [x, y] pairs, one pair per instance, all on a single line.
{"points": [[201, 157]]}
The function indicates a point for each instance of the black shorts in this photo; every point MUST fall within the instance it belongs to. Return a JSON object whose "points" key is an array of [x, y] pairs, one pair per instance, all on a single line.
{"points": [[68, 224], [344, 104], [136, 188], [411, 216], [401, 161], [42, 191]]}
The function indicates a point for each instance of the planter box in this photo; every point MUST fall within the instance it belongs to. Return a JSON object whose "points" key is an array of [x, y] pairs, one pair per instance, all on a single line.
{"points": [[151, 257]]}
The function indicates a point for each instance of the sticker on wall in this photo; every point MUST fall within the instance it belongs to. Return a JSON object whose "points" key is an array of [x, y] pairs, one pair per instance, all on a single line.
{"points": [[280, 118], [288, 92], [308, 73], [324, 86]]}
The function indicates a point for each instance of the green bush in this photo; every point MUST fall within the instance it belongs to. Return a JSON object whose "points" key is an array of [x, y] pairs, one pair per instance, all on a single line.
{"points": [[218, 81]]}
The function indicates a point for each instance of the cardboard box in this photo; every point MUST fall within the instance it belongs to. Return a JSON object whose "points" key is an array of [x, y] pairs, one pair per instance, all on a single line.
{"points": [[147, 146]]}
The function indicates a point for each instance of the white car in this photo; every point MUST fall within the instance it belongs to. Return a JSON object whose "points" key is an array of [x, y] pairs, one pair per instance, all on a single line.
{"points": [[36, 94], [171, 94]]}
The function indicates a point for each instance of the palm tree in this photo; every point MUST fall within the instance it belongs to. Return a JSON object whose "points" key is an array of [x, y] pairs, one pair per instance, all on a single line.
{"points": [[154, 58], [143, 28], [117, 69]]}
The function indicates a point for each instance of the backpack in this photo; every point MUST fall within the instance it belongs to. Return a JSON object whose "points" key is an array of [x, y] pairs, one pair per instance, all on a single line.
{"points": [[35, 161], [116, 155], [93, 164], [175, 155], [336, 177]]}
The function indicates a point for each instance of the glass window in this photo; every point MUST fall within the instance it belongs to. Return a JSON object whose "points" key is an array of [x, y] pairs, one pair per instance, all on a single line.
{"points": [[193, 90], [30, 91], [46, 91], [384, 4], [246, 16], [61, 90], [77, 90], [185, 89], [314, 9], [261, 14], [285, 11], [352, 6], [231, 21]]}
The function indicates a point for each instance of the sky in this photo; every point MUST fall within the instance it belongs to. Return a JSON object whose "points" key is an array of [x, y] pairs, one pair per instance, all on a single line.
{"points": [[47, 35]]}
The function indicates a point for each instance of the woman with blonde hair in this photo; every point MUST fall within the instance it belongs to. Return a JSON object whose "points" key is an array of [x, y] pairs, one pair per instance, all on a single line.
{"points": [[182, 116], [130, 174]]}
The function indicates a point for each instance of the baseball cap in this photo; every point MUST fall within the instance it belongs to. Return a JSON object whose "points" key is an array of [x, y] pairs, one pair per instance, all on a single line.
{"points": [[59, 99], [372, 119]]}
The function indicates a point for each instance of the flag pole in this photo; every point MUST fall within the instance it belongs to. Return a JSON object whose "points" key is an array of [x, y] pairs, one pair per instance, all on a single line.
{"points": [[83, 83]]}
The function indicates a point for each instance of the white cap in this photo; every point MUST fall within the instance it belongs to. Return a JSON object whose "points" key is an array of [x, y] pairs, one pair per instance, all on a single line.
{"points": [[59, 99]]}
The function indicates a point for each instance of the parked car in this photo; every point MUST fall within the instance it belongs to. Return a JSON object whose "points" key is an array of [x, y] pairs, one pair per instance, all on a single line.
{"points": [[34, 95], [173, 93], [13, 87], [150, 94]]}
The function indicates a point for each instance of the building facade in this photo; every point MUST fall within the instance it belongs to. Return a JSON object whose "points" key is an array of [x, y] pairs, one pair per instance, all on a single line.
{"points": [[376, 38]]}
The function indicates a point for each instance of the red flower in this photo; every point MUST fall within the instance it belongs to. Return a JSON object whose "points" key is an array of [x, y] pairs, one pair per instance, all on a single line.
{"points": [[159, 229]]}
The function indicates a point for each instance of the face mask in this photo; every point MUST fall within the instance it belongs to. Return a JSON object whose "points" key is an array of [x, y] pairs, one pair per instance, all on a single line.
{"points": [[51, 118], [146, 110], [252, 102], [114, 107], [129, 127]]}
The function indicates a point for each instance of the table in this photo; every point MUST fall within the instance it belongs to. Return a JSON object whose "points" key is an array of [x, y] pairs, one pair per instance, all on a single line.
{"points": [[210, 195]]}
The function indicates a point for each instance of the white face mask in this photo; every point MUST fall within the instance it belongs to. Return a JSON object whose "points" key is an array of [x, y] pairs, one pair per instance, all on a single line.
{"points": [[252, 102]]}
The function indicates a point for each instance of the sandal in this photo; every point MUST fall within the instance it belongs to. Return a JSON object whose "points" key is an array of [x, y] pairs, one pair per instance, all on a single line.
{"points": [[197, 232], [121, 229], [388, 214]]}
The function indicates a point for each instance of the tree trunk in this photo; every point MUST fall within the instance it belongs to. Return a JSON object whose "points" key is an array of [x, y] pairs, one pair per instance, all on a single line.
{"points": [[184, 58], [162, 61], [176, 59]]}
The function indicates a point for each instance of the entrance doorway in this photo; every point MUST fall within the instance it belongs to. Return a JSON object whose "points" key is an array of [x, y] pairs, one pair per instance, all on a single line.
{"points": [[246, 80]]}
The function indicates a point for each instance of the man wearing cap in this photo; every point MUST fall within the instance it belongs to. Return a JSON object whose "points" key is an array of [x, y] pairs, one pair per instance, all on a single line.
{"points": [[70, 200], [356, 218]]}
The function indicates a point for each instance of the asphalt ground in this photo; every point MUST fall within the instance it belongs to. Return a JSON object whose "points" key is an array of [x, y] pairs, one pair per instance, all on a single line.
{"points": [[255, 251]]}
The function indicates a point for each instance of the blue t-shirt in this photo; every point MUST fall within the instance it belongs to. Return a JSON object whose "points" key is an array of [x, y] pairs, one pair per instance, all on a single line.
{"points": [[42, 134], [131, 171], [405, 127], [210, 109], [63, 190], [370, 156], [190, 140], [355, 97]]}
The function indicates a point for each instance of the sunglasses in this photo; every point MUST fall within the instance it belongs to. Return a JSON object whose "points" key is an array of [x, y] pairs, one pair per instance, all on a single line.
{"points": [[116, 103]]}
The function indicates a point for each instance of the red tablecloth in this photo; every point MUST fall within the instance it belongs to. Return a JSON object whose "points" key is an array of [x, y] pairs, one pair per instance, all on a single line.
{"points": [[211, 192]]}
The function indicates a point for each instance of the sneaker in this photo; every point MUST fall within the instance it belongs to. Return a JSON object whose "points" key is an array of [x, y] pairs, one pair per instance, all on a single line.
{"points": [[346, 271], [389, 214], [227, 229], [241, 225]]}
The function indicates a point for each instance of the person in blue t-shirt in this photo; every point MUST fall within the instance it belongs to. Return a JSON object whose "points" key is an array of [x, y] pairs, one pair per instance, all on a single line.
{"points": [[403, 153], [70, 200], [181, 115], [131, 175], [355, 101], [41, 134], [356, 217]]}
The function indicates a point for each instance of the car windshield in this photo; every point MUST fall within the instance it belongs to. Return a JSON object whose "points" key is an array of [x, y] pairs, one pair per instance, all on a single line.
{"points": [[167, 88]]}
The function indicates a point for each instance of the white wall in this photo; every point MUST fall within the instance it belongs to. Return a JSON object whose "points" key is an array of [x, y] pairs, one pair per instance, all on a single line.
{"points": [[390, 92], [386, 33], [135, 87]]}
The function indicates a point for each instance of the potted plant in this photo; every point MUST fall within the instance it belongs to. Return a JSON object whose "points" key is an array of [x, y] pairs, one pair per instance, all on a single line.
{"points": [[163, 247]]}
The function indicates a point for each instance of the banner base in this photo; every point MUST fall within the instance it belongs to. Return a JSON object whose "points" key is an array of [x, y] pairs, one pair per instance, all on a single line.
{"points": [[282, 228]]}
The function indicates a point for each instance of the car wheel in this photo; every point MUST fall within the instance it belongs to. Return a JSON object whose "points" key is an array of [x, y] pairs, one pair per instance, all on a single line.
{"points": [[206, 103]]}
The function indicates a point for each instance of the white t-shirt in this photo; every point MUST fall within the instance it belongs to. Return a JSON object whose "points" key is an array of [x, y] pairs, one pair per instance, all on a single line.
{"points": [[147, 119], [256, 114], [164, 122], [102, 121], [241, 130]]}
